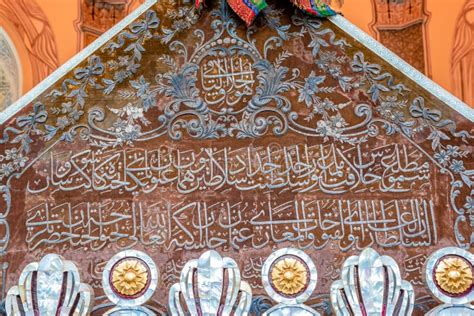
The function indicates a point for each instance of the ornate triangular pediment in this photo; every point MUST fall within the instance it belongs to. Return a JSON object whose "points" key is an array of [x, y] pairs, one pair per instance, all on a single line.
{"points": [[181, 131]]}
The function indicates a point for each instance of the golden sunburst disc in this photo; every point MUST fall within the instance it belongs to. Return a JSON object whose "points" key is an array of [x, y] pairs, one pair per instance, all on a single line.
{"points": [[129, 277], [289, 276], [454, 275]]}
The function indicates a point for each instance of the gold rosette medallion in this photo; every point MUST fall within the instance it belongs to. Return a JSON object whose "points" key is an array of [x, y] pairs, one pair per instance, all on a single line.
{"points": [[289, 276], [454, 275], [130, 277]]}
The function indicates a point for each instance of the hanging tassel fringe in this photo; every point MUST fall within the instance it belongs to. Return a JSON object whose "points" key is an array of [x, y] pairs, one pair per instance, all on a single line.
{"points": [[248, 10]]}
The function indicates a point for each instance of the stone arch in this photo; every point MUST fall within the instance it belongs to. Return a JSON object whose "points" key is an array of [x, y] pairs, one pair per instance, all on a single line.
{"points": [[35, 34], [10, 71], [463, 55]]}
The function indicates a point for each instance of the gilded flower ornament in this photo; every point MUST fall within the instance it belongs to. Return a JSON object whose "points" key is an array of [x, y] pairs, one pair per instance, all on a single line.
{"points": [[450, 277], [289, 276], [129, 280], [454, 275], [130, 277]]}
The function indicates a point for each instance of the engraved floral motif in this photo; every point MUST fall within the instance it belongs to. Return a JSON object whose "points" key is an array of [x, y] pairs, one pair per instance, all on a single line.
{"points": [[171, 104], [191, 111], [454, 275], [62, 122], [12, 161]]}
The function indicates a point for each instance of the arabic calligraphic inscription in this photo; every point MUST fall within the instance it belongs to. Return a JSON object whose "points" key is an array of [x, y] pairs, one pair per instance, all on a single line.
{"points": [[187, 133], [227, 80]]}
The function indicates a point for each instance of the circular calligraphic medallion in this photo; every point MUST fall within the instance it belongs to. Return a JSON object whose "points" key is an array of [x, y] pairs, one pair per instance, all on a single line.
{"points": [[130, 278], [450, 275], [226, 76], [289, 276]]}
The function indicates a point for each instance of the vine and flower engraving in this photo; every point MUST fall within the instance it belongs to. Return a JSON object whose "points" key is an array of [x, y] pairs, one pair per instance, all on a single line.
{"points": [[223, 82]]}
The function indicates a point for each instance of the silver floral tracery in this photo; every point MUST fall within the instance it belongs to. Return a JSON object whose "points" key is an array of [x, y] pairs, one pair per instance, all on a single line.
{"points": [[50, 287], [203, 284], [184, 102], [189, 111], [371, 284]]}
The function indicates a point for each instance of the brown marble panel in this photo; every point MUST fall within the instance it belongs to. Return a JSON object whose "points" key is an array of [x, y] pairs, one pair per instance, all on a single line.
{"points": [[189, 133]]}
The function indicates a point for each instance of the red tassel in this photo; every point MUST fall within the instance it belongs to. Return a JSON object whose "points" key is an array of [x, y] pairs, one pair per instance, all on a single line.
{"points": [[199, 3], [242, 10], [314, 7], [249, 9]]}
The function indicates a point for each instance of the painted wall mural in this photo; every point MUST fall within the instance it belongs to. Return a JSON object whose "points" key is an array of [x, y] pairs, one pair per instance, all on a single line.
{"points": [[463, 55], [189, 131], [10, 72], [96, 17], [34, 28], [401, 25]]}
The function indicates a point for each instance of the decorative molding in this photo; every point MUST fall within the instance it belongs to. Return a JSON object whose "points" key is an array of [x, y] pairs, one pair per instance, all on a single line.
{"points": [[400, 25], [131, 4], [3, 279], [210, 285], [338, 20], [371, 285], [398, 14], [50, 287], [98, 16]]}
